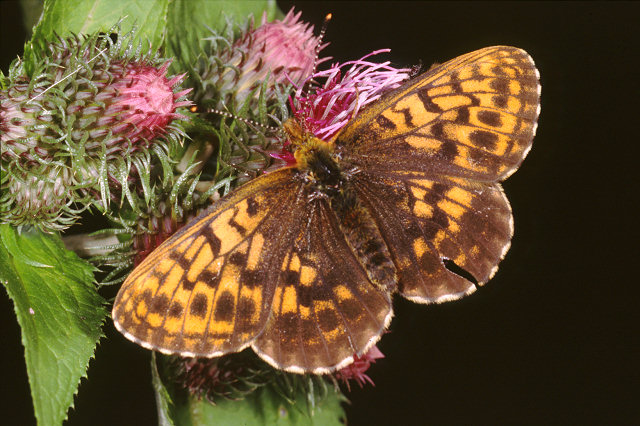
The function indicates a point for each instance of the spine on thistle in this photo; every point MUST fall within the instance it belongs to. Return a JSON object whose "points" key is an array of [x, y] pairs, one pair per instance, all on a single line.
{"points": [[248, 72]]}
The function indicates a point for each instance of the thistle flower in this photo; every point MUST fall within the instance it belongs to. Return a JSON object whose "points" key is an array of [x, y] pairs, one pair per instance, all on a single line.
{"points": [[79, 123], [139, 104], [348, 88], [330, 107], [287, 48], [248, 76], [356, 370], [31, 196]]}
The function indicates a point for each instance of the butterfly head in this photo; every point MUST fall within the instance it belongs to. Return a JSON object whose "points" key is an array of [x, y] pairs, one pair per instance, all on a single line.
{"points": [[305, 144]]}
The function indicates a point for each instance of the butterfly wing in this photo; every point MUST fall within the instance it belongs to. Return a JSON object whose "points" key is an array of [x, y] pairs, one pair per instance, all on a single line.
{"points": [[325, 309], [207, 290], [263, 267], [431, 224], [473, 117], [429, 156]]}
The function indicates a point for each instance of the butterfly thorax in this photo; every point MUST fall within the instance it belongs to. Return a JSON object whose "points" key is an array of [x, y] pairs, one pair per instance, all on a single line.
{"points": [[329, 180]]}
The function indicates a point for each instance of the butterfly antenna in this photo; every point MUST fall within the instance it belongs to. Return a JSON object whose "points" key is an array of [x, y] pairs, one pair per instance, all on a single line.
{"points": [[244, 120], [316, 54]]}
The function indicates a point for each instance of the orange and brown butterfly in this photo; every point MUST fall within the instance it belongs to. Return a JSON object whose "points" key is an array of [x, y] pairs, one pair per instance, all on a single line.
{"points": [[300, 264]]}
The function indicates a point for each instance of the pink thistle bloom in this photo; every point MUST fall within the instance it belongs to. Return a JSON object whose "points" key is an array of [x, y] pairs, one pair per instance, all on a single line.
{"points": [[356, 370], [348, 88], [287, 45], [141, 103], [66, 130]]}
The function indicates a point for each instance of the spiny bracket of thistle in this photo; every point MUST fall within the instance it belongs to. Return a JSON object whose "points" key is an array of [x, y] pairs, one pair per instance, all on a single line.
{"points": [[72, 130], [229, 68], [245, 149], [314, 387], [231, 377], [236, 376], [242, 149], [155, 211]]}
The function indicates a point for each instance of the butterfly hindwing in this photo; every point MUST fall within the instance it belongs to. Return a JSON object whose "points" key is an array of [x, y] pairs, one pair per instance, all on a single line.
{"points": [[428, 223], [325, 309], [472, 117]]}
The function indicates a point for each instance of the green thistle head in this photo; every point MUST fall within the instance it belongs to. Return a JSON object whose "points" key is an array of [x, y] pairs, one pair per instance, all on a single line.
{"points": [[72, 129]]}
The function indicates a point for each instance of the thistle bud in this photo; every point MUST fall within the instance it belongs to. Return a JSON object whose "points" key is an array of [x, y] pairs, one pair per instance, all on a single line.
{"points": [[88, 110], [227, 377], [284, 50]]}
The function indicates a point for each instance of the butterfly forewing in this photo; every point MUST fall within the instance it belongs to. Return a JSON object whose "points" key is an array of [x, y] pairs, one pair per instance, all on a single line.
{"points": [[473, 117], [265, 267], [208, 289]]}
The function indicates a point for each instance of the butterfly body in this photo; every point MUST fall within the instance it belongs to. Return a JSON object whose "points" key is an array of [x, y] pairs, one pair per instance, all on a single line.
{"points": [[301, 263], [328, 180]]}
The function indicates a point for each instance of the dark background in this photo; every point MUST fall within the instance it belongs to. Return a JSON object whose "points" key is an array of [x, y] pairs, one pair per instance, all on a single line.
{"points": [[553, 338]]}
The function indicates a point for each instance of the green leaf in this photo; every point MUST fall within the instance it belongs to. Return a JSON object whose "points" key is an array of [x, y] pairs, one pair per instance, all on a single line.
{"points": [[31, 11], [60, 314], [89, 16], [265, 406], [192, 17]]}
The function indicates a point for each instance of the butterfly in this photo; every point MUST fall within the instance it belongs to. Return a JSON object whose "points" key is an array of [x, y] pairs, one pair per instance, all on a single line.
{"points": [[301, 264]]}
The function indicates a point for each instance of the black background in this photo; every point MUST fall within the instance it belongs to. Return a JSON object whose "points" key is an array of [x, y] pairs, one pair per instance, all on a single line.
{"points": [[553, 338]]}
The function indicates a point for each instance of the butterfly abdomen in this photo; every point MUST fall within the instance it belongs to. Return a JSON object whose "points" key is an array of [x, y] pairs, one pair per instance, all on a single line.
{"points": [[366, 242]]}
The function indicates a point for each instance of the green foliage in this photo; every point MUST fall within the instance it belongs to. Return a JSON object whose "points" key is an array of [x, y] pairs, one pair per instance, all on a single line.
{"points": [[60, 314], [183, 22], [267, 406], [64, 17], [164, 402], [240, 388]]}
